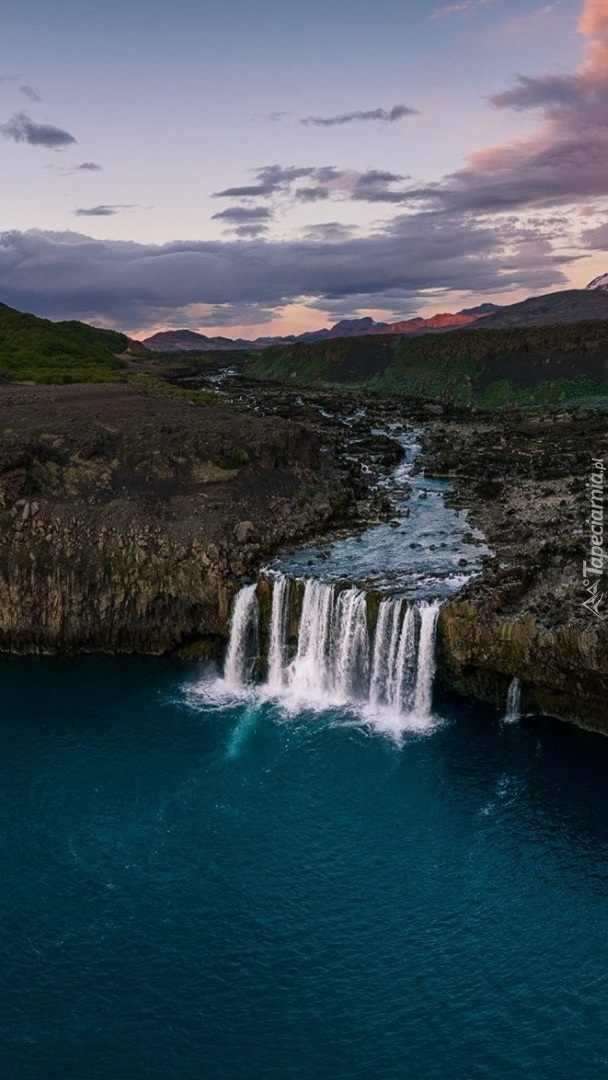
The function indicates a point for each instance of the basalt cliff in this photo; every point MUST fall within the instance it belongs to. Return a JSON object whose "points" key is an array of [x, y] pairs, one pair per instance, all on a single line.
{"points": [[128, 517]]}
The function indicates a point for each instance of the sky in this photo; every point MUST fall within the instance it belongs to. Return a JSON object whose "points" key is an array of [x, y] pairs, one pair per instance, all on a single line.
{"points": [[260, 167]]}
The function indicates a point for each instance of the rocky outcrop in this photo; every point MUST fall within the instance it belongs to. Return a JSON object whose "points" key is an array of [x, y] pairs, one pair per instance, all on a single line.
{"points": [[562, 672], [525, 481], [128, 518]]}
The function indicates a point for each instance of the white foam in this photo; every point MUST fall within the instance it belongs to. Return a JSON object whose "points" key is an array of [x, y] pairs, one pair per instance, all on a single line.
{"points": [[384, 681]]}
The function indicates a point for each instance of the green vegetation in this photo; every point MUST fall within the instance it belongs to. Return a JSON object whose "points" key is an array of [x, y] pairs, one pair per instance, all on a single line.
{"points": [[234, 459], [525, 367], [195, 397], [39, 350]]}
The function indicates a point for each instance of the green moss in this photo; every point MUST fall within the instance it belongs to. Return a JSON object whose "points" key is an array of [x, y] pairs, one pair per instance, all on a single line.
{"points": [[234, 459]]}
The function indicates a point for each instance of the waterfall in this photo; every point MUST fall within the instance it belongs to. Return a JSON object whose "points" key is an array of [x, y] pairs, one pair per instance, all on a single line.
{"points": [[513, 710], [425, 669], [337, 660], [243, 645], [351, 645], [404, 669], [278, 632], [309, 674]]}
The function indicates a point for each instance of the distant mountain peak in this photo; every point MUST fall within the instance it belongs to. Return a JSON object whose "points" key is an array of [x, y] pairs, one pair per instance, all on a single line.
{"points": [[355, 324], [600, 283]]}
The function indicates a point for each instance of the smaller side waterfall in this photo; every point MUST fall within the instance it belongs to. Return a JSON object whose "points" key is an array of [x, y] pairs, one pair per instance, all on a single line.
{"points": [[243, 644], [335, 659], [513, 709]]}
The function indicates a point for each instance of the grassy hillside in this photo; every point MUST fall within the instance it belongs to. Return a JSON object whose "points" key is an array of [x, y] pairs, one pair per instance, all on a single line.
{"points": [[44, 351], [487, 368]]}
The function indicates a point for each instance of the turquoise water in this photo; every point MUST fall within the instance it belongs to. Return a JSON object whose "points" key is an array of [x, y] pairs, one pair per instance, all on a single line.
{"points": [[196, 886]]}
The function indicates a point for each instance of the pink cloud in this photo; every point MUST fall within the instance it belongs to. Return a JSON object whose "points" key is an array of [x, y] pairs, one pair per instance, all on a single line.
{"points": [[594, 19], [566, 159]]}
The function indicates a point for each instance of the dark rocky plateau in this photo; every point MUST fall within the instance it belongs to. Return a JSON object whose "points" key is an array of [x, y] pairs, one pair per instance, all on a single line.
{"points": [[128, 518]]}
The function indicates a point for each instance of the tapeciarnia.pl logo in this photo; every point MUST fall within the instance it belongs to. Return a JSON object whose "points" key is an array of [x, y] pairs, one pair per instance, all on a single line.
{"points": [[593, 569]]}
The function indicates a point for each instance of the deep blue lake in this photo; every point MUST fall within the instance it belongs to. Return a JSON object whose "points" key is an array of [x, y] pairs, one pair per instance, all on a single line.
{"points": [[194, 887]]}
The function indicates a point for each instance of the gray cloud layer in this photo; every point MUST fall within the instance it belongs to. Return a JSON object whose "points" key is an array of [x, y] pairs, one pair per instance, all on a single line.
{"points": [[67, 275], [21, 128], [386, 116]]}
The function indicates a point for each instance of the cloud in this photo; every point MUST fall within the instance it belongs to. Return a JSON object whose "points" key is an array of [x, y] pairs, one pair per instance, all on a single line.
{"points": [[21, 128], [374, 186], [530, 93], [564, 161], [249, 231], [594, 19], [596, 238], [269, 118], [30, 93], [133, 286], [329, 231], [280, 175], [457, 9], [312, 194], [243, 214], [251, 191], [85, 166], [387, 116], [104, 210], [317, 183]]}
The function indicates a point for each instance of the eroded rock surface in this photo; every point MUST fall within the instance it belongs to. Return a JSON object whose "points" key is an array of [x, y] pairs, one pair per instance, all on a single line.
{"points": [[127, 518], [525, 481]]}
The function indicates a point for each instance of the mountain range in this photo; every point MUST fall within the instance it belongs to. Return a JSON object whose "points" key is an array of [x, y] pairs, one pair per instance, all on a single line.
{"points": [[567, 306], [186, 340]]}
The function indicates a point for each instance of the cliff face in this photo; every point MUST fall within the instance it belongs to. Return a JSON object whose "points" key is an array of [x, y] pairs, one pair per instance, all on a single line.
{"points": [[527, 484], [127, 518], [563, 673]]}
